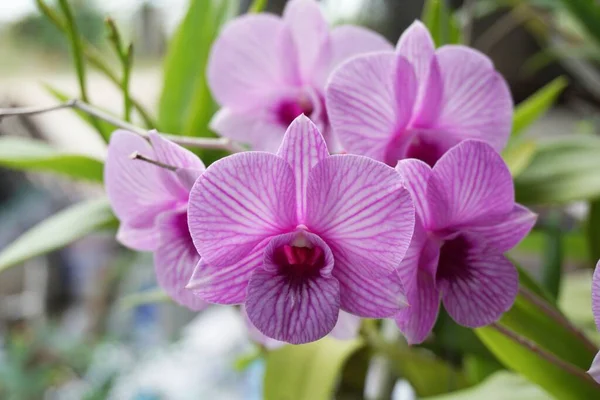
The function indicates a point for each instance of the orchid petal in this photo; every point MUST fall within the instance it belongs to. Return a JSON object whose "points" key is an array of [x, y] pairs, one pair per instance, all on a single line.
{"points": [[506, 232], [477, 284], [347, 326], [303, 147], [594, 370], [416, 174], [251, 58], [369, 100], [361, 209], [596, 295], [238, 202], [135, 190], [477, 103], [469, 184], [226, 285], [175, 259], [417, 320], [257, 336], [416, 45], [349, 40]]}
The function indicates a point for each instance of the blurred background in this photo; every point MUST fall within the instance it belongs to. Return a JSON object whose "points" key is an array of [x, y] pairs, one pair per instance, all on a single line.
{"points": [[86, 321]]}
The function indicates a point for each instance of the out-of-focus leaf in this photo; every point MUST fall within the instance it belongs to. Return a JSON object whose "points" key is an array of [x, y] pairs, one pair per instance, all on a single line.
{"points": [[575, 301], [306, 372], [587, 12], [553, 255], [257, 6], [537, 104], [593, 231], [441, 23], [558, 380], [58, 231], [35, 155], [575, 246], [562, 170], [151, 296], [478, 368], [105, 128], [185, 105], [526, 281], [517, 157], [500, 386]]}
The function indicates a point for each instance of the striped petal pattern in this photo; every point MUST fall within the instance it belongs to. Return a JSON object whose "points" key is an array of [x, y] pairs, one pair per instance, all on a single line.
{"points": [[361, 209], [303, 147], [477, 283], [596, 295], [239, 202], [469, 183]]}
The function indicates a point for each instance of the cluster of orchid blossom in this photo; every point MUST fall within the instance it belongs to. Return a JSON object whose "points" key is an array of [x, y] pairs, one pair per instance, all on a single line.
{"points": [[419, 209]]}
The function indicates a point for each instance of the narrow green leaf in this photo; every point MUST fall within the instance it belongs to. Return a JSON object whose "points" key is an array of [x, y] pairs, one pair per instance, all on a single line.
{"points": [[306, 372], [593, 231], [441, 23], [151, 296], [527, 281], [257, 6], [553, 255], [562, 170], [58, 231], [536, 105], [517, 157], [556, 379], [105, 128], [35, 155], [587, 12], [499, 386]]}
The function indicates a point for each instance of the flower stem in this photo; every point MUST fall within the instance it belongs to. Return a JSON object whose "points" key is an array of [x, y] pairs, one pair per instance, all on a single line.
{"points": [[202, 143]]}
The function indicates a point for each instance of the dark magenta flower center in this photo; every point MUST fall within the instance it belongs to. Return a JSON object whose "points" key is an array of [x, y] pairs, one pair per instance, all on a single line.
{"points": [[454, 258], [288, 110], [299, 262]]}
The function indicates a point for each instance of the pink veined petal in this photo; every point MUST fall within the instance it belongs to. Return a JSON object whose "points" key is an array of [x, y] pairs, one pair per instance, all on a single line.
{"points": [[226, 285], [469, 184], [417, 320], [348, 41], [430, 99], [418, 255], [596, 295], [254, 127], [594, 370], [477, 284], [253, 57], [311, 35], [505, 232], [172, 154], [292, 313], [142, 239], [175, 259], [416, 45], [347, 326], [477, 103], [362, 211], [238, 202], [257, 336], [303, 147], [416, 174], [376, 296], [361, 103], [135, 190]]}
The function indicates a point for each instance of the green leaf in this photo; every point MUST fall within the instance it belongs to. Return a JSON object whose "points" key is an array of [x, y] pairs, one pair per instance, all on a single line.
{"points": [[105, 128], [500, 386], [58, 231], [562, 170], [560, 382], [593, 231], [575, 300], [517, 157], [536, 105], [441, 23], [306, 372], [257, 6], [185, 91], [587, 12], [151, 296], [553, 255], [35, 155]]}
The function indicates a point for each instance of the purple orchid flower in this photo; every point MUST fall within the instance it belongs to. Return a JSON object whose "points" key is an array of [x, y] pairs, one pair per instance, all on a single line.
{"points": [[466, 220], [418, 102], [265, 71], [297, 235], [346, 328], [151, 204], [594, 370]]}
